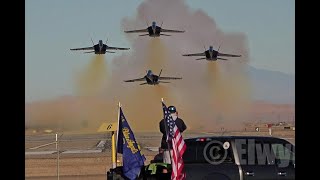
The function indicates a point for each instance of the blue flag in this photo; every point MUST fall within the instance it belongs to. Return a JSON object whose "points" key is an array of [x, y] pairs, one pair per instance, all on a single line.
{"points": [[132, 157]]}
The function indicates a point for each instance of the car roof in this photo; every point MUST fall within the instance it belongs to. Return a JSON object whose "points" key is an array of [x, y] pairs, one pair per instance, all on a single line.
{"points": [[236, 137]]}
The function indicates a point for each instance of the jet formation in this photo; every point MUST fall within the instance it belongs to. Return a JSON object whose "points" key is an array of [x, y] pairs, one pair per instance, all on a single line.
{"points": [[155, 31], [152, 79]]}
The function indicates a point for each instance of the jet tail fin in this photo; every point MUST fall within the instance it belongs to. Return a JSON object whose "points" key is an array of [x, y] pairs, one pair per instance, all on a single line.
{"points": [[92, 42], [219, 47], [160, 73]]}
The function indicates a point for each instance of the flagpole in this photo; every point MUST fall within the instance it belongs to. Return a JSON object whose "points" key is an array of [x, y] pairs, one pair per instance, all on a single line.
{"points": [[166, 128], [116, 139]]}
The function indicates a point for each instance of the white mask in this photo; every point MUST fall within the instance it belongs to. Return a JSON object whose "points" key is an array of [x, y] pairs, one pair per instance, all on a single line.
{"points": [[174, 116]]}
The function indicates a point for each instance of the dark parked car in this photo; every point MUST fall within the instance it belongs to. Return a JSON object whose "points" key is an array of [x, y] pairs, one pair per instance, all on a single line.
{"points": [[239, 157], [232, 158]]}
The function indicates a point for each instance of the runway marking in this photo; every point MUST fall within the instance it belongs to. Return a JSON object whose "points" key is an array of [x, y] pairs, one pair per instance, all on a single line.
{"points": [[39, 152], [64, 152], [82, 151], [155, 149]]}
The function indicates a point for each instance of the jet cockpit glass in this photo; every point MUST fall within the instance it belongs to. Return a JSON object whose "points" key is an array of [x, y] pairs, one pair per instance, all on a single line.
{"points": [[153, 24], [100, 43]]}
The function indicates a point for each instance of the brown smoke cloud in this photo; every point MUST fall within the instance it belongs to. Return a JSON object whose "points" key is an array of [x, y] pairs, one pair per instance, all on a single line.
{"points": [[78, 114], [211, 95]]}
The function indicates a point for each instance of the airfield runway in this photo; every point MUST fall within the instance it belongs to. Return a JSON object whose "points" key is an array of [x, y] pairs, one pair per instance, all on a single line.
{"points": [[88, 156]]}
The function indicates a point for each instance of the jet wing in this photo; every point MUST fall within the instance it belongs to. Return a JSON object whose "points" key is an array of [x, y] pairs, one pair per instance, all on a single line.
{"points": [[133, 80], [228, 55], [86, 48], [137, 31], [117, 48], [196, 54], [168, 78], [173, 31]]}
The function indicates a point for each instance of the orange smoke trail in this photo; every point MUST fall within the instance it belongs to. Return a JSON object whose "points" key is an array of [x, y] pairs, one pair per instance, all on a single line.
{"points": [[91, 80], [229, 89]]}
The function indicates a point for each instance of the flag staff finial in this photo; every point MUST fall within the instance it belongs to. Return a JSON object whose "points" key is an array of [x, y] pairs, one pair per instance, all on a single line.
{"points": [[162, 99], [119, 105]]}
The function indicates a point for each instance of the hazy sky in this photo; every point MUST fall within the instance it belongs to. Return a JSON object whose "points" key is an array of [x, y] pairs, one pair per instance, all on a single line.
{"points": [[53, 27]]}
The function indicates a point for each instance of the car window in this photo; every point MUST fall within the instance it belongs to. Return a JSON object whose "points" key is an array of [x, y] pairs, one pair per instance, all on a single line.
{"points": [[208, 152], [214, 152], [284, 153], [254, 152], [190, 155]]}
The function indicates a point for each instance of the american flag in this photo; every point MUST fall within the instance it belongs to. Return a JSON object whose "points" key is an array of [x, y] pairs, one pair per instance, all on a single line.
{"points": [[178, 146]]}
